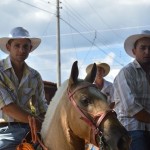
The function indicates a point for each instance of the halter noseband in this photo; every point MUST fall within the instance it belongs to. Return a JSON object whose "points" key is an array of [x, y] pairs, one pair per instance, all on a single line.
{"points": [[96, 134]]}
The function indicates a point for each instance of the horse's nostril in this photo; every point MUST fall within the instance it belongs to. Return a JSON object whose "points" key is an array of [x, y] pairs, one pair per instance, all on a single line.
{"points": [[124, 143]]}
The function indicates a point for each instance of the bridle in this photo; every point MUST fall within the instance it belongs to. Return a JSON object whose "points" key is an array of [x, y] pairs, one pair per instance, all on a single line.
{"points": [[96, 134]]}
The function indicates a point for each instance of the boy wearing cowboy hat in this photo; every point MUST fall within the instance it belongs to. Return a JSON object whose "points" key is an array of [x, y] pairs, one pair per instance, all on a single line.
{"points": [[105, 86], [132, 91], [21, 88]]}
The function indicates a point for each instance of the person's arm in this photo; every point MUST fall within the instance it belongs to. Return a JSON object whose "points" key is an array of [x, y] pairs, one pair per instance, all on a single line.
{"points": [[20, 115], [143, 116], [8, 106], [16, 112], [40, 97]]}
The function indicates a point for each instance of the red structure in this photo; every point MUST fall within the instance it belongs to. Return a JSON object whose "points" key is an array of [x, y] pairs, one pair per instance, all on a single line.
{"points": [[50, 89]]}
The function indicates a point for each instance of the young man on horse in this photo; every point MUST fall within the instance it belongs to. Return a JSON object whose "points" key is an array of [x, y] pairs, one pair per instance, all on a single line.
{"points": [[132, 91], [21, 89], [102, 84]]}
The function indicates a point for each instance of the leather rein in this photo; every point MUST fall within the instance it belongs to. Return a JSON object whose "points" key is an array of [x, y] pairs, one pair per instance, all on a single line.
{"points": [[96, 134]]}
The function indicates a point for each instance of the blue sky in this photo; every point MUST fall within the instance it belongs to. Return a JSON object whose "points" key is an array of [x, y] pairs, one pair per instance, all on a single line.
{"points": [[91, 31]]}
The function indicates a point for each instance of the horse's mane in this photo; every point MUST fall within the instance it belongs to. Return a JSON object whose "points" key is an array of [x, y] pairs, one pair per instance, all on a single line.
{"points": [[52, 106]]}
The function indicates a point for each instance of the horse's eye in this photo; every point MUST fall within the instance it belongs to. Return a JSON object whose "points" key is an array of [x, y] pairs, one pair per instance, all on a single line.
{"points": [[85, 101]]}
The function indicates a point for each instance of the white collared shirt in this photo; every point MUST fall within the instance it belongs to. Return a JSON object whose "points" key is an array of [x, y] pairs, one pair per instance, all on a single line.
{"points": [[131, 95]]}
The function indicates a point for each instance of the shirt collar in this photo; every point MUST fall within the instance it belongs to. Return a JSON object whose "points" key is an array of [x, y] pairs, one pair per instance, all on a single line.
{"points": [[7, 63], [136, 64]]}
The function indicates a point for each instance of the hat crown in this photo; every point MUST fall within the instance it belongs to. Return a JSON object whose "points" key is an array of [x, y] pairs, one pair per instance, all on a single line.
{"points": [[19, 32], [105, 66]]}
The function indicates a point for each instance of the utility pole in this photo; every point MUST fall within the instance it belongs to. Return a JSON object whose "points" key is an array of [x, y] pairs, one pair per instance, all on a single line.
{"points": [[58, 46]]}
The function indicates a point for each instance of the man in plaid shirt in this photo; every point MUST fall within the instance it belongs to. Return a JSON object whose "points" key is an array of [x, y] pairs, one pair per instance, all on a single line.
{"points": [[21, 89], [132, 91]]}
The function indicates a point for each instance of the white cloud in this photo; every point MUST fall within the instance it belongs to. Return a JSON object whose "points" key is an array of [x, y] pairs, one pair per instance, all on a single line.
{"points": [[42, 16]]}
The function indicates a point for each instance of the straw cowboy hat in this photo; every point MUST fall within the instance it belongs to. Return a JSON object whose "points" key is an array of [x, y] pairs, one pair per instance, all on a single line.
{"points": [[130, 41], [19, 33], [105, 66]]}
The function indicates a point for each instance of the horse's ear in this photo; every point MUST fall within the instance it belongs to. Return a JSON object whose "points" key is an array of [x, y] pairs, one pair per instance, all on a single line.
{"points": [[74, 73], [92, 74]]}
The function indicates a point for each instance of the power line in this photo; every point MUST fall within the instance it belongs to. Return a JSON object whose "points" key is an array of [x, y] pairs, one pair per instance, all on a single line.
{"points": [[90, 48], [84, 24], [88, 40], [36, 7], [94, 10], [75, 29], [104, 30]]}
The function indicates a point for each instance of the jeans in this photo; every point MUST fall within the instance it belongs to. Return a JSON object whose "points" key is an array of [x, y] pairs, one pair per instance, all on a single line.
{"points": [[12, 135], [140, 140]]}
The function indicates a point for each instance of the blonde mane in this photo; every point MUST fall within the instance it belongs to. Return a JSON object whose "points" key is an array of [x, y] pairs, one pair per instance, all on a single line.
{"points": [[51, 108]]}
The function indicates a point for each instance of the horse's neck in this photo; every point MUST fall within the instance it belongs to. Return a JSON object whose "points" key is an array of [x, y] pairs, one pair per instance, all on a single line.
{"points": [[60, 136]]}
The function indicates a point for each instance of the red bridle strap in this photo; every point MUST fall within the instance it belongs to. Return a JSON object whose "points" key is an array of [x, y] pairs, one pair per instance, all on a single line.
{"points": [[99, 117], [83, 116]]}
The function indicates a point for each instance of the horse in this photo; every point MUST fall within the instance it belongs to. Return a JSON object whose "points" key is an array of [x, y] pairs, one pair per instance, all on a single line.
{"points": [[79, 113]]}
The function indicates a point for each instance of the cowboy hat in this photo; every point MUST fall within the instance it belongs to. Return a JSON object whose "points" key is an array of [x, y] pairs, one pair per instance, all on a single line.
{"points": [[19, 33], [105, 66], [130, 41]]}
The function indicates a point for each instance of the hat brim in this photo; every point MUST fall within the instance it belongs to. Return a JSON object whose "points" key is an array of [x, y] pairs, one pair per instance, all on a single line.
{"points": [[130, 41], [105, 66], [35, 42]]}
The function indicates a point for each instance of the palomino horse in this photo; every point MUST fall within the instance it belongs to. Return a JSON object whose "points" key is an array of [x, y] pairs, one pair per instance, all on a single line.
{"points": [[79, 112]]}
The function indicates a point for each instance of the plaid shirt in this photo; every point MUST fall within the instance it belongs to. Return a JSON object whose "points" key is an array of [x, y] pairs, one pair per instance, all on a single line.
{"points": [[28, 94], [131, 95]]}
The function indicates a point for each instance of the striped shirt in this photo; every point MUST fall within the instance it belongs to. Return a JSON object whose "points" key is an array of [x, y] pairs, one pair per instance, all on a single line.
{"points": [[108, 91], [131, 95], [28, 94]]}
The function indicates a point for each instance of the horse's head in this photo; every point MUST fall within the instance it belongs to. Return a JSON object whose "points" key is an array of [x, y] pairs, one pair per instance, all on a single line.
{"points": [[90, 116]]}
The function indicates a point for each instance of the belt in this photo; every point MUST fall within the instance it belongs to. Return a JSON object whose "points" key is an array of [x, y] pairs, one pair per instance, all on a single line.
{"points": [[3, 124]]}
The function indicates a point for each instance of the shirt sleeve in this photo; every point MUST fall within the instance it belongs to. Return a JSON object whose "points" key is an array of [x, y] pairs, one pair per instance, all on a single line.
{"points": [[111, 90], [5, 95], [125, 92], [108, 90], [40, 94]]}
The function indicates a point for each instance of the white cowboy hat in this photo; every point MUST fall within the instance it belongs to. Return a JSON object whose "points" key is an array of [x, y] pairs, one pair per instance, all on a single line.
{"points": [[130, 41], [105, 66], [19, 33]]}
